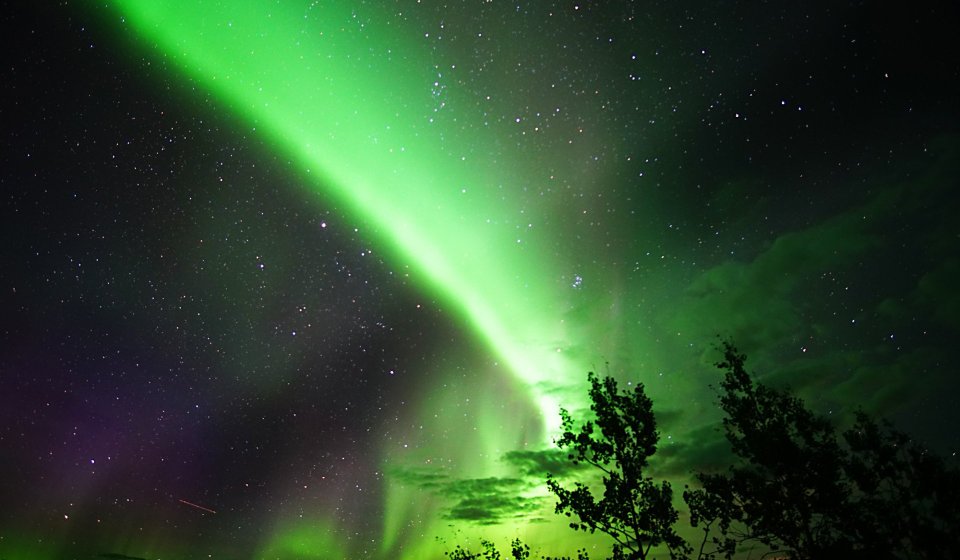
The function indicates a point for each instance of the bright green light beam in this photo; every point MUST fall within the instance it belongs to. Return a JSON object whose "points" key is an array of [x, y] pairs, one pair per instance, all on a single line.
{"points": [[353, 99]]}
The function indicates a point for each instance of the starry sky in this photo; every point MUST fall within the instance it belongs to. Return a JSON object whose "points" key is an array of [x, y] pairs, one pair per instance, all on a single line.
{"points": [[311, 280]]}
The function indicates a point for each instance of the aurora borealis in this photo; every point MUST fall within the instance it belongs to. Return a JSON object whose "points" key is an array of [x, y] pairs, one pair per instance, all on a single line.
{"points": [[310, 280]]}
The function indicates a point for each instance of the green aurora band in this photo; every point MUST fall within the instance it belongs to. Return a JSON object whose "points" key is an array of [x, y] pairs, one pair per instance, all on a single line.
{"points": [[358, 119], [360, 108]]}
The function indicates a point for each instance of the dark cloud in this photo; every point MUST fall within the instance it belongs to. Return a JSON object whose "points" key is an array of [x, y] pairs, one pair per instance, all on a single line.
{"points": [[935, 292], [493, 510], [670, 417], [424, 478], [853, 310], [488, 501], [702, 449], [795, 281], [541, 463], [483, 501], [756, 301]]}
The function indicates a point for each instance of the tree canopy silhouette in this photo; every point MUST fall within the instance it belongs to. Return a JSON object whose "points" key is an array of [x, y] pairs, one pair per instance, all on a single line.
{"points": [[636, 511], [795, 486], [798, 487]]}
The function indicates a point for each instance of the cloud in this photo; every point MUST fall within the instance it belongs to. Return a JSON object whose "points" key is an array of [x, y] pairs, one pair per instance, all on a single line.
{"points": [[488, 501], [756, 302], [936, 291], [702, 449], [856, 310], [424, 478], [482, 501], [540, 463], [669, 418]]}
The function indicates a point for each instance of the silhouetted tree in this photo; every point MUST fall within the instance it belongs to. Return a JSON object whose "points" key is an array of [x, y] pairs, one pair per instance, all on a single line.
{"points": [[799, 488], [634, 510]]}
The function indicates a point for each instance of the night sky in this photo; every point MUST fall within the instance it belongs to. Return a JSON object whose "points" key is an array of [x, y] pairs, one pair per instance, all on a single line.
{"points": [[311, 280]]}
